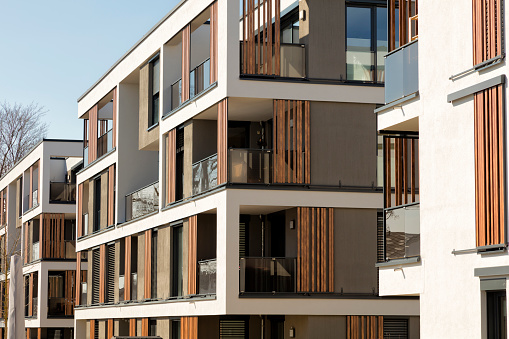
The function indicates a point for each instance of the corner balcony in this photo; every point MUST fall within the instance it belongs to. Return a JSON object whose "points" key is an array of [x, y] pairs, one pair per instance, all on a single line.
{"points": [[142, 201], [402, 232]]}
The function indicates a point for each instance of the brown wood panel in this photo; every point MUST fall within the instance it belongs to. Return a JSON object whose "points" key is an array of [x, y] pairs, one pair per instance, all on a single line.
{"points": [[486, 29], [189, 327], [92, 328], [213, 41], [25, 246], [31, 182], [111, 195], [114, 120], [192, 255], [41, 236], [92, 137], [144, 327], [222, 141], [52, 240], [171, 167], [102, 273], [70, 292], [78, 278], [127, 277], [30, 294], [364, 327], [148, 264], [132, 327], [79, 217], [110, 329], [186, 60]]}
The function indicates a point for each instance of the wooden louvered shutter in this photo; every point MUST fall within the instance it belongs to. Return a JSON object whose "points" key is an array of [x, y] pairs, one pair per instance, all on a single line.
{"points": [[171, 166], [380, 252], [395, 328], [222, 141], [192, 255], [110, 273], [366, 327], [487, 29], [232, 328], [213, 42], [96, 262]]}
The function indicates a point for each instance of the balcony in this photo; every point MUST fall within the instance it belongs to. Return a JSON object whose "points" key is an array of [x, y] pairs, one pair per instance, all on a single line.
{"points": [[104, 143], [207, 276], [85, 157], [61, 192], [83, 298], [56, 307], [35, 251], [142, 202], [134, 286], [402, 231], [199, 81], [253, 166], [293, 62], [26, 200], [402, 72], [205, 174], [268, 275]]}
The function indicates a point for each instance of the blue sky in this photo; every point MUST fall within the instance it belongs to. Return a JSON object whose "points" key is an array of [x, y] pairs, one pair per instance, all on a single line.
{"points": [[52, 51]]}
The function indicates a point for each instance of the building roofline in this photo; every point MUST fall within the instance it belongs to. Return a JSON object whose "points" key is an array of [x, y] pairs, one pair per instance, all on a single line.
{"points": [[170, 13]]}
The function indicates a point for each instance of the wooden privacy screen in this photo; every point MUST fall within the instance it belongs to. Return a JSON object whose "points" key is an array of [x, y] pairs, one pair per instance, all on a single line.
{"points": [[192, 261], [53, 236], [408, 10], [186, 60], [403, 153], [92, 136], [148, 264], [189, 328], [3, 206], [114, 121], [78, 278], [260, 55], [132, 327], [171, 166], [292, 139], [111, 195], [487, 29], [315, 260], [31, 189], [127, 273], [102, 273], [213, 42], [489, 166], [110, 329], [222, 141], [144, 327], [79, 216], [364, 327], [31, 278], [69, 292], [26, 250]]}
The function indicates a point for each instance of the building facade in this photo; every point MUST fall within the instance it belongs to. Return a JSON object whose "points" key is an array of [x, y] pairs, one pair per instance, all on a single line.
{"points": [[444, 128], [38, 221], [230, 185]]}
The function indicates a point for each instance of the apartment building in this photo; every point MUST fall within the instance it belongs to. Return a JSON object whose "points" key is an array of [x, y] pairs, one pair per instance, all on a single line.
{"points": [[38, 221], [444, 128], [230, 185]]}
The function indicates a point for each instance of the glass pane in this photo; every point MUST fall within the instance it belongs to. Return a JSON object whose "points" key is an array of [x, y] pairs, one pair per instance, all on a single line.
{"points": [[359, 57], [382, 45], [155, 76], [286, 35]]}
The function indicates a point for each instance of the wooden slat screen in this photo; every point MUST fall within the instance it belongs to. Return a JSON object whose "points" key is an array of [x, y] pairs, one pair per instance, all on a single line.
{"points": [[213, 41], [31, 182], [489, 166], [111, 195], [292, 139], [148, 264], [78, 278], [26, 249], [260, 55], [222, 141], [315, 259], [487, 29], [171, 166], [79, 217], [408, 12], [52, 241], [132, 327], [31, 294], [110, 329], [114, 121], [364, 327], [189, 328], [127, 272], [186, 60], [70, 292], [2, 208], [92, 328], [144, 327], [192, 267], [92, 137], [102, 273], [401, 153]]}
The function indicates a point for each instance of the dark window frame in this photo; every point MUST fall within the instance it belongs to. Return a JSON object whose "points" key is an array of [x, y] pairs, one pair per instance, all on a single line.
{"points": [[153, 114]]}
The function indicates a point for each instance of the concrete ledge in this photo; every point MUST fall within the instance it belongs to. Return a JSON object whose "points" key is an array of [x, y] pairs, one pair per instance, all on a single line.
{"points": [[476, 88], [397, 262], [487, 271]]}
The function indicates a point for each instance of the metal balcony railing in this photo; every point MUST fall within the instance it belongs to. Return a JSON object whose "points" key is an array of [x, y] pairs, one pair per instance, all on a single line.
{"points": [[207, 276], [268, 275], [62, 192], [142, 202]]}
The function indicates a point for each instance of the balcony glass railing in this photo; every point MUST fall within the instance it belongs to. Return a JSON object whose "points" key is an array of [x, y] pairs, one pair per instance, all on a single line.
{"points": [[176, 94], [205, 174], [250, 165], [104, 143], [56, 307], [142, 201], [402, 231], [121, 287], [207, 276], [134, 286], [35, 251], [85, 223], [268, 275], [62, 192], [34, 306], [199, 78], [402, 72], [85, 157], [83, 299], [293, 61], [35, 199]]}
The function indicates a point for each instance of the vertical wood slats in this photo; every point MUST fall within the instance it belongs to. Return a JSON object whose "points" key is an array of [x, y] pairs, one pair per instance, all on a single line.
{"points": [[114, 120], [110, 329], [144, 327], [186, 60], [70, 292], [213, 41], [92, 328], [79, 217], [259, 54], [489, 166], [78, 278], [487, 29], [315, 262], [111, 195], [171, 166], [52, 240], [364, 327], [31, 294], [102, 275], [30, 198], [132, 327], [407, 14], [127, 272], [222, 141], [92, 137], [148, 264], [405, 160], [292, 149], [26, 251], [192, 267], [41, 236], [189, 328]]}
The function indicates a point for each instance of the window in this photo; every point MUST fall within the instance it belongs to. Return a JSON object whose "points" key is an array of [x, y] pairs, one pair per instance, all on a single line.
{"points": [[97, 204], [230, 328], [134, 267], [96, 259], [153, 263], [366, 43], [177, 277], [175, 329], [154, 78], [496, 314], [179, 161], [290, 29], [110, 273], [121, 270]]}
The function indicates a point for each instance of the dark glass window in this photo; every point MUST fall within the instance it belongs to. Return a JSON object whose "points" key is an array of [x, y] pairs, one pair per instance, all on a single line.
{"points": [[496, 313], [177, 287], [155, 76]]}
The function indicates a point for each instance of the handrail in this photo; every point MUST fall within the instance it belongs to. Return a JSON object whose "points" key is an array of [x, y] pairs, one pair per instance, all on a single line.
{"points": [[205, 159], [273, 258], [206, 260], [400, 48], [203, 62], [283, 44], [251, 149], [401, 206], [480, 65], [176, 82], [140, 189]]}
